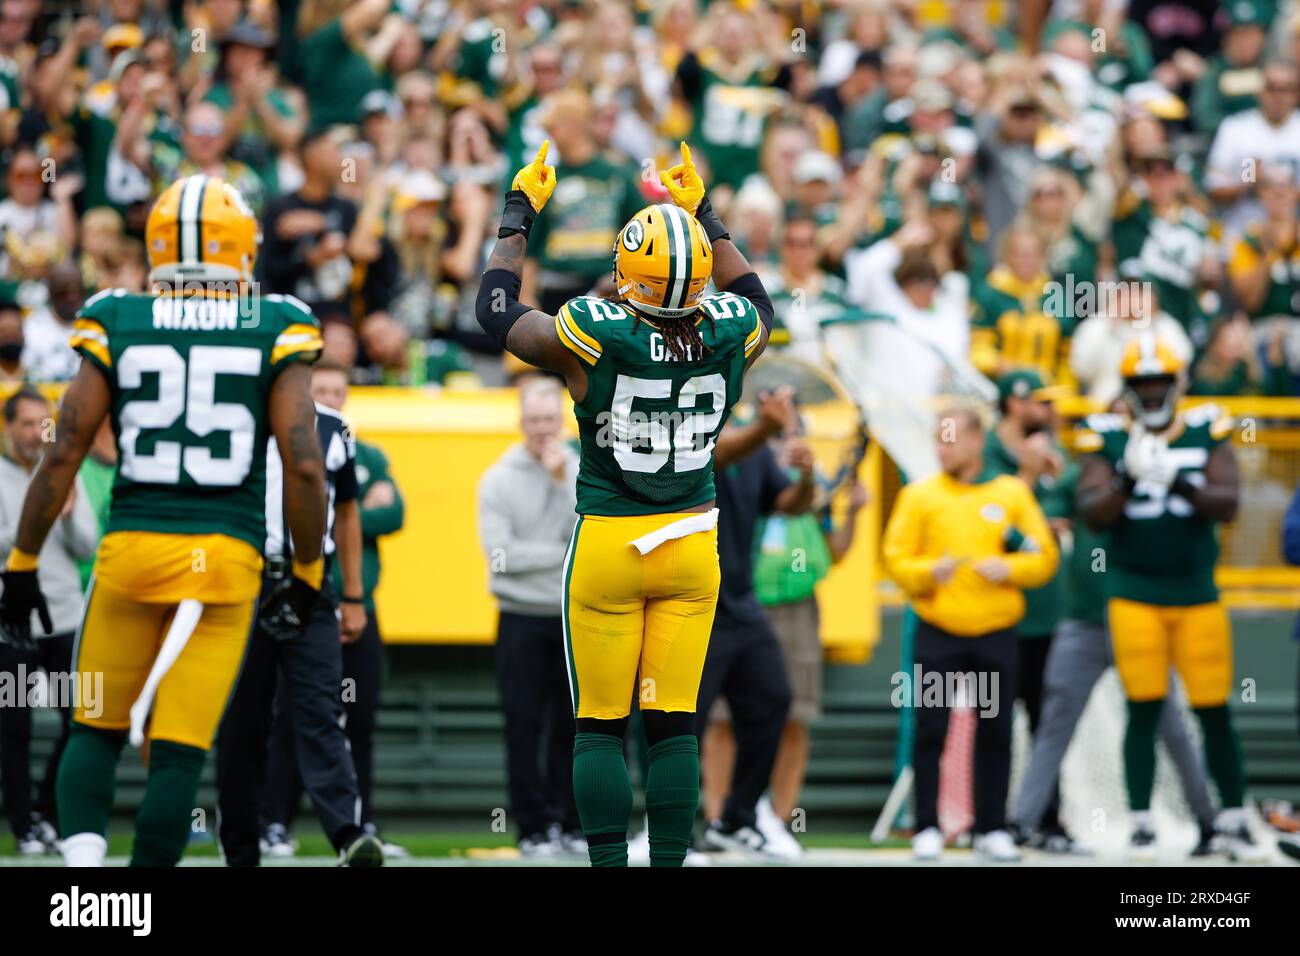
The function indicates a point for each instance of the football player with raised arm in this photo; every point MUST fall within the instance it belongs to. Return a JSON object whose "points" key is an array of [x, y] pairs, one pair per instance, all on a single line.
{"points": [[193, 381], [653, 373]]}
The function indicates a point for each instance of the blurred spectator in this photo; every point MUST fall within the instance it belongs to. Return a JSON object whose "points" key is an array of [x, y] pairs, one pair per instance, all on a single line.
{"points": [[27, 416], [570, 246], [1157, 231], [30, 222], [1072, 257], [897, 277], [1130, 307], [46, 353], [1230, 364], [203, 145], [1007, 160], [732, 85], [1017, 321], [804, 296], [1265, 264], [263, 122], [345, 49], [1232, 81], [1247, 142], [526, 517], [311, 242], [12, 370]]}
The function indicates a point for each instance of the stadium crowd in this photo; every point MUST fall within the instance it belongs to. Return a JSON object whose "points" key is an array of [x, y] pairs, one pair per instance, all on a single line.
{"points": [[1021, 186], [968, 169]]}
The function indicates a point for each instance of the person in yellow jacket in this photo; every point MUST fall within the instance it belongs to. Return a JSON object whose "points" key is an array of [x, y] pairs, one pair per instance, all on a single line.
{"points": [[964, 545]]}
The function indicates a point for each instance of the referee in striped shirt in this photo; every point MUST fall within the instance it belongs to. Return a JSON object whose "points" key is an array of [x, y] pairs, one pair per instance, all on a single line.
{"points": [[308, 662]]}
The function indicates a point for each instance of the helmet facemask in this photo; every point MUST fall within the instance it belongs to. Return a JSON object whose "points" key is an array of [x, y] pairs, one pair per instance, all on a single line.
{"points": [[1153, 399]]}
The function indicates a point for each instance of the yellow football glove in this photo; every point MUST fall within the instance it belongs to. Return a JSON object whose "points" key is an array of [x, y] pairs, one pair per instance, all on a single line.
{"points": [[683, 182], [536, 180]]}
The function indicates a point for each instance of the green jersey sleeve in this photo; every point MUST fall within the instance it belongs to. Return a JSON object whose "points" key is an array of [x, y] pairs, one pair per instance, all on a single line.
{"points": [[298, 335], [92, 328]]}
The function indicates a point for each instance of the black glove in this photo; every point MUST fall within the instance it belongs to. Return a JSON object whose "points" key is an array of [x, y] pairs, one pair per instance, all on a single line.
{"points": [[22, 596], [518, 216], [713, 227], [284, 607]]}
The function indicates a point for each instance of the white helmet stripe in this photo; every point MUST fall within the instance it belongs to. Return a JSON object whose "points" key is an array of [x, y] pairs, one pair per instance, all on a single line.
{"points": [[191, 201], [677, 233]]}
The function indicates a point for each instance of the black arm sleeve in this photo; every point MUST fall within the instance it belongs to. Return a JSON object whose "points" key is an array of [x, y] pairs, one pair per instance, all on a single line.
{"points": [[497, 306], [751, 287]]}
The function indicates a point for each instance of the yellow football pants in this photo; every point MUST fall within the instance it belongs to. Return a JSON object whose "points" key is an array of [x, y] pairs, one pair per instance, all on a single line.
{"points": [[626, 612], [1197, 640], [139, 579]]}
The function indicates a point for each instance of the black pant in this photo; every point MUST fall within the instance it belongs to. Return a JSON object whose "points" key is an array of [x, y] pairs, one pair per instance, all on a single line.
{"points": [[1029, 688], [363, 665], [986, 657], [534, 686], [744, 665], [53, 654], [310, 666]]}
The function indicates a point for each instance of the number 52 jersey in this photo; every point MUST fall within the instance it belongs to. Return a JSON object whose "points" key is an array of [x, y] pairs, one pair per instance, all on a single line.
{"points": [[190, 379], [648, 423]]}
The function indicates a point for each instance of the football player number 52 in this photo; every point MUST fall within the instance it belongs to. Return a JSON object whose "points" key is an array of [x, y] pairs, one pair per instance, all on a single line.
{"points": [[632, 432], [194, 396]]}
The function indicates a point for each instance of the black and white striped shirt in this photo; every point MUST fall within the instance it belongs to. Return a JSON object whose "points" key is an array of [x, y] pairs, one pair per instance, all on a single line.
{"points": [[340, 480]]}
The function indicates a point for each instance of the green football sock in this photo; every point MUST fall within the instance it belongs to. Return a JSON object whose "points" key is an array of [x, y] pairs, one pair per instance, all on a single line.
{"points": [[603, 792], [672, 797], [1223, 754], [162, 824], [87, 776], [1140, 751]]}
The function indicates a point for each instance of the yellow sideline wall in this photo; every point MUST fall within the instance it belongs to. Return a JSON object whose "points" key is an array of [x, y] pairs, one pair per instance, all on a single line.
{"points": [[434, 585]]}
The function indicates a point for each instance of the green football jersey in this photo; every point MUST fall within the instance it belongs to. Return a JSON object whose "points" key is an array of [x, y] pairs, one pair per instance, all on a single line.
{"points": [[648, 423], [190, 379], [1160, 551]]}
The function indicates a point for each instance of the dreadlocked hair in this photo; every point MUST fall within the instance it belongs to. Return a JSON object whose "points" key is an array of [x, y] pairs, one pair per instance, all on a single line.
{"points": [[681, 333]]}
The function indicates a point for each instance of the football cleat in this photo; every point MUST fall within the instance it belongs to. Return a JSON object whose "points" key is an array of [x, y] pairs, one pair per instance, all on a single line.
{"points": [[201, 230], [662, 262]]}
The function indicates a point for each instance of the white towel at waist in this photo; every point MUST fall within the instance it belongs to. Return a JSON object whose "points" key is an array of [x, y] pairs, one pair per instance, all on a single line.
{"points": [[704, 521]]}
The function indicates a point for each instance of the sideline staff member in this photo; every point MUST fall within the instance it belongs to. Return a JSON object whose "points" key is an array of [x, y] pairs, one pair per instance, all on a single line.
{"points": [[963, 546]]}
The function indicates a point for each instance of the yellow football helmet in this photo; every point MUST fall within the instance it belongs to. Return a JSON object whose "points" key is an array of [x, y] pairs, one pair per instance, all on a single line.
{"points": [[1154, 380], [662, 262], [201, 230]]}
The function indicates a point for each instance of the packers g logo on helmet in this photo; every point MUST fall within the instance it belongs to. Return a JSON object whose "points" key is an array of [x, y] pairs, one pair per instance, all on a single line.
{"points": [[201, 230], [662, 262], [1153, 375]]}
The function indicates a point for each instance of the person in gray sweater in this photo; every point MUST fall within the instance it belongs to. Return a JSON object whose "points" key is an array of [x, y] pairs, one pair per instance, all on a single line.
{"points": [[28, 423], [526, 503]]}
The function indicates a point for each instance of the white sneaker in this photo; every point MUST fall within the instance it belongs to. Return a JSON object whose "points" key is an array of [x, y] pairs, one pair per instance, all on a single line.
{"points": [[693, 857], [996, 846], [30, 843], [537, 846], [927, 845], [277, 844], [780, 841]]}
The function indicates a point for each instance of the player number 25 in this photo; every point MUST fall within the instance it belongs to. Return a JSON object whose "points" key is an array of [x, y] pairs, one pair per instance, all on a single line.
{"points": [[631, 433], [194, 398]]}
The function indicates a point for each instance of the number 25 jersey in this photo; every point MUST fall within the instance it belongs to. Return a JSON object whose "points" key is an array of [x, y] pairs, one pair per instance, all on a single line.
{"points": [[190, 378], [649, 423]]}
